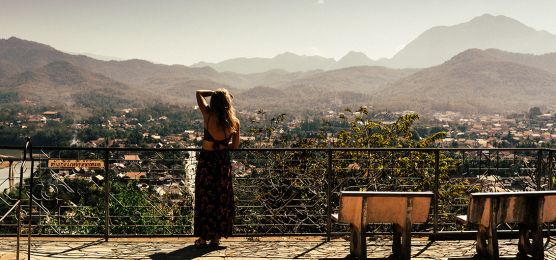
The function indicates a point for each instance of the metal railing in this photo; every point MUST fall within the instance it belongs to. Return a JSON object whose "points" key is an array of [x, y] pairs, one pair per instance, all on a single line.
{"points": [[279, 191]]}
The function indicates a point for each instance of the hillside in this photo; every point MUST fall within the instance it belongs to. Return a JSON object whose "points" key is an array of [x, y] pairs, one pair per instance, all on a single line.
{"points": [[21, 55], [473, 81], [298, 98], [61, 84], [545, 61], [363, 79]]}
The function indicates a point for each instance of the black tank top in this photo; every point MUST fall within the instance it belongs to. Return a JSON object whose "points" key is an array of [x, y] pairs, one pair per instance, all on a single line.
{"points": [[215, 143]]}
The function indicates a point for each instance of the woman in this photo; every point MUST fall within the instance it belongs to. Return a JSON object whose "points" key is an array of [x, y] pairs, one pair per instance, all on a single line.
{"points": [[214, 198]]}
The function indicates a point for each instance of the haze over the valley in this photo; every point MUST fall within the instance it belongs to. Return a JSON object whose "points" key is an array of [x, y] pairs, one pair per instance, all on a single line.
{"points": [[187, 32], [432, 47], [486, 63]]}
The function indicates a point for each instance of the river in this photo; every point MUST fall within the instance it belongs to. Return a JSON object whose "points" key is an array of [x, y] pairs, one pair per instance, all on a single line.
{"points": [[16, 166]]}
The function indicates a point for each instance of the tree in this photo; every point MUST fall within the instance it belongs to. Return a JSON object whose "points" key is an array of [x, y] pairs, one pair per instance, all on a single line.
{"points": [[290, 183], [534, 112], [395, 170], [135, 137]]}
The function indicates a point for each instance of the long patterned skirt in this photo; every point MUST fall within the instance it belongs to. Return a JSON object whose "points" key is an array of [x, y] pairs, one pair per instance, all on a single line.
{"points": [[214, 195]]}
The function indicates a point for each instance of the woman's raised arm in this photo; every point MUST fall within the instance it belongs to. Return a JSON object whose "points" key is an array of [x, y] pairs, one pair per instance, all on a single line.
{"points": [[201, 101]]}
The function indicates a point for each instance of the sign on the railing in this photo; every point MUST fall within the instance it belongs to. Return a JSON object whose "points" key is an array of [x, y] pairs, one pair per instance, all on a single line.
{"points": [[65, 164]]}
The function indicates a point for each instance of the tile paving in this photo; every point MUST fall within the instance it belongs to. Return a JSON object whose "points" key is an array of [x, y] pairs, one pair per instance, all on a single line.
{"points": [[241, 248]]}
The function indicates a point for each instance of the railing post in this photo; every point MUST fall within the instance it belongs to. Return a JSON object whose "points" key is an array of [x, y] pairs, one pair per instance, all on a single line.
{"points": [[106, 194], [11, 178], [19, 195], [539, 169], [29, 225], [328, 196], [550, 169], [436, 188]]}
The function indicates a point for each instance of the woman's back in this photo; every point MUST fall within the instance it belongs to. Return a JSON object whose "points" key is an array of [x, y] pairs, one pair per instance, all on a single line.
{"points": [[217, 130]]}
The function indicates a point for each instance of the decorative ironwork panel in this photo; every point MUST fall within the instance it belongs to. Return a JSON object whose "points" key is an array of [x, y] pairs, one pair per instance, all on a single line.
{"points": [[10, 174], [67, 199], [489, 170], [280, 192], [151, 192]]}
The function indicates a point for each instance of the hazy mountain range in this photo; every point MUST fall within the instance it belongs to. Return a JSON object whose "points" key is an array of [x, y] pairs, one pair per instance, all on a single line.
{"points": [[471, 80], [431, 48]]}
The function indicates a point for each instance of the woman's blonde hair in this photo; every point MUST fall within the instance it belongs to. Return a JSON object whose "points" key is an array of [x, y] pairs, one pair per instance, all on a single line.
{"points": [[221, 106]]}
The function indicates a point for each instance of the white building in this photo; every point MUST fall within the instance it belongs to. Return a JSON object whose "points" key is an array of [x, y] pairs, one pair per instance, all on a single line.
{"points": [[190, 164]]}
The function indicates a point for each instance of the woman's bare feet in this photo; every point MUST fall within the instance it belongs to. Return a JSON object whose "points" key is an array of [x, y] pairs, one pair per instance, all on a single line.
{"points": [[200, 242], [215, 242]]}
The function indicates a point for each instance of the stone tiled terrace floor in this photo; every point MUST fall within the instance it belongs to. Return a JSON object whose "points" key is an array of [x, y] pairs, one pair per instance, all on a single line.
{"points": [[241, 248]]}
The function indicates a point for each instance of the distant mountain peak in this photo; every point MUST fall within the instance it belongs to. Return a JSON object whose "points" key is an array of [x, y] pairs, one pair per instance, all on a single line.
{"points": [[352, 59], [13, 38], [490, 17], [286, 55], [355, 55], [439, 44], [291, 55], [499, 20], [204, 70], [14, 42], [201, 64], [470, 55]]}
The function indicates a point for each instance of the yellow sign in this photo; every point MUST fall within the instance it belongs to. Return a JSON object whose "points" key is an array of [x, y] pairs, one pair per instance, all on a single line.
{"points": [[65, 164]]}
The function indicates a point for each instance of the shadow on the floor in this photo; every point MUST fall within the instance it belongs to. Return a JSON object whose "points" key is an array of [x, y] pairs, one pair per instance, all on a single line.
{"points": [[94, 243], [427, 246], [350, 257], [477, 257], [188, 252], [309, 250]]}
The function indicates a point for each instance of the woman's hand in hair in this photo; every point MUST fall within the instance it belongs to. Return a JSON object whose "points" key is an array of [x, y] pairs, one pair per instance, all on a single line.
{"points": [[205, 93]]}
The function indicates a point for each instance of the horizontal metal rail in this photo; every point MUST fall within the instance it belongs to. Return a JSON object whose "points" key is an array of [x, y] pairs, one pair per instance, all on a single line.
{"points": [[71, 148]]}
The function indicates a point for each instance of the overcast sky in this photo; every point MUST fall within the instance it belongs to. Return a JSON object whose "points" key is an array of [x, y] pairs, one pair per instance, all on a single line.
{"points": [[185, 32]]}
